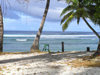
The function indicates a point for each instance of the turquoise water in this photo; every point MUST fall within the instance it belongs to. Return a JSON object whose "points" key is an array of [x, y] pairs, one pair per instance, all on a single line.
{"points": [[22, 43]]}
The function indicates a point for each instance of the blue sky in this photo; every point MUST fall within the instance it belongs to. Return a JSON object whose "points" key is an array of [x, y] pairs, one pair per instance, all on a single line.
{"points": [[27, 16]]}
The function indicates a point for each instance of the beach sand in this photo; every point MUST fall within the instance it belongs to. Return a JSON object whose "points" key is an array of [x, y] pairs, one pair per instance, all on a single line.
{"points": [[45, 64]]}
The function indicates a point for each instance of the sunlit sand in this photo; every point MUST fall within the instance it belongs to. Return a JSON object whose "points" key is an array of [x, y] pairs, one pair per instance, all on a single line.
{"points": [[44, 63]]}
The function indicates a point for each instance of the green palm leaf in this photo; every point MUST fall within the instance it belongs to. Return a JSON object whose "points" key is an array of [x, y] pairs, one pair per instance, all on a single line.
{"points": [[65, 25], [73, 1], [68, 1], [68, 8], [66, 16]]}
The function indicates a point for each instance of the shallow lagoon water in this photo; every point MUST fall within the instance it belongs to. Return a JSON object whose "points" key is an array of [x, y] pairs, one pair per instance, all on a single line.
{"points": [[22, 43]]}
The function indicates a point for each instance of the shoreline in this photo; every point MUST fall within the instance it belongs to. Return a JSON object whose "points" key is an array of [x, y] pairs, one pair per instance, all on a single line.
{"points": [[45, 63], [4, 53]]}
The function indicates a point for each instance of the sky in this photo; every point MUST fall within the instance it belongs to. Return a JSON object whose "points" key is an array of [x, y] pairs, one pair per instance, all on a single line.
{"points": [[23, 16]]}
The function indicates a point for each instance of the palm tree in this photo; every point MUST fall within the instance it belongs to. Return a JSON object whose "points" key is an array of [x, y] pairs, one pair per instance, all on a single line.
{"points": [[35, 45], [76, 9], [1, 24], [1, 30]]}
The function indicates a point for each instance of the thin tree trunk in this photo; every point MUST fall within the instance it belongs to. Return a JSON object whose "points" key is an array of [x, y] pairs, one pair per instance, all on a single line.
{"points": [[91, 28], [98, 49], [35, 45], [1, 30]]}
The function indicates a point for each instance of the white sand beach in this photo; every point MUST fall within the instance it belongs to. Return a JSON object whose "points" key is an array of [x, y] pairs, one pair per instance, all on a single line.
{"points": [[44, 64]]}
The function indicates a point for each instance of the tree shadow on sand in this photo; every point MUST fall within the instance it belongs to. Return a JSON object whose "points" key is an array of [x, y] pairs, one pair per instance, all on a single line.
{"points": [[46, 58], [49, 57]]}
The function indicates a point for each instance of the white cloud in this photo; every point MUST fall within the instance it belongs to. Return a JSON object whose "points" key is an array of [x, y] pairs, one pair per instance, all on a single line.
{"points": [[34, 8]]}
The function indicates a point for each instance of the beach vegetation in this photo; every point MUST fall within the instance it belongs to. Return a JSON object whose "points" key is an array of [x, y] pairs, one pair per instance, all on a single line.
{"points": [[94, 6], [82, 9]]}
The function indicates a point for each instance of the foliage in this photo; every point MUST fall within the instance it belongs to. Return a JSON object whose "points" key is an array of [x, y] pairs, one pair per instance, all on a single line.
{"points": [[94, 6], [74, 10], [77, 9]]}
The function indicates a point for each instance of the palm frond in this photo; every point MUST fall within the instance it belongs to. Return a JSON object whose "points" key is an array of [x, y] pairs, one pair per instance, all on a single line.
{"points": [[91, 11], [96, 21], [68, 8], [78, 19], [65, 25], [81, 12], [66, 16], [68, 1], [85, 14], [73, 1]]}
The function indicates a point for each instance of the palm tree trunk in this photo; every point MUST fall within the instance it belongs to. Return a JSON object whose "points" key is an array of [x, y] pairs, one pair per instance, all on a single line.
{"points": [[98, 49], [35, 45], [1, 30]]}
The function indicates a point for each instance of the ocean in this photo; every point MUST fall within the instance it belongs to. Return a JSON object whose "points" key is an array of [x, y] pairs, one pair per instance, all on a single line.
{"points": [[21, 41]]}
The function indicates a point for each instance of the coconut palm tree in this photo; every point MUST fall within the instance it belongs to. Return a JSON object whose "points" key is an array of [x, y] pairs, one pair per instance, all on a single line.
{"points": [[35, 45], [1, 23], [1, 30], [77, 9]]}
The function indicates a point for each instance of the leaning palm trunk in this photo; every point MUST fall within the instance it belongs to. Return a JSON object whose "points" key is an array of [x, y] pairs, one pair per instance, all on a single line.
{"points": [[98, 48], [1, 30], [35, 45]]}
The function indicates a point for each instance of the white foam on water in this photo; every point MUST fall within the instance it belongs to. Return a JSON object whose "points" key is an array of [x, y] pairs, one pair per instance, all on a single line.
{"points": [[51, 36], [19, 35], [21, 39]]}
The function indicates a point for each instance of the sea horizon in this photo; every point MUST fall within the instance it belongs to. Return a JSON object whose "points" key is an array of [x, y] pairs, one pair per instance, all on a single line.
{"points": [[51, 32]]}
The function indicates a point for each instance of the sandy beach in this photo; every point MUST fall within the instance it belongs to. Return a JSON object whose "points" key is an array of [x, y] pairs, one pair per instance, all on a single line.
{"points": [[44, 64]]}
